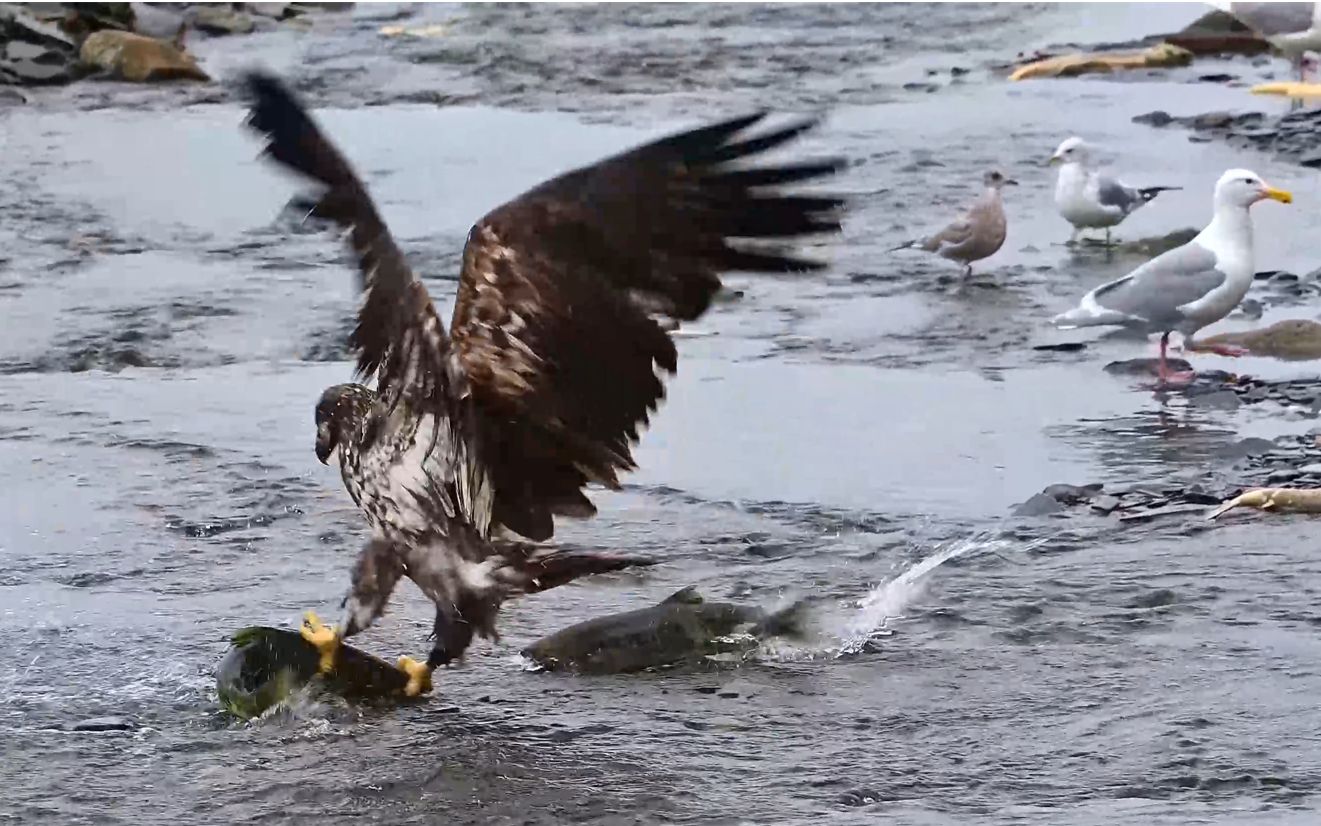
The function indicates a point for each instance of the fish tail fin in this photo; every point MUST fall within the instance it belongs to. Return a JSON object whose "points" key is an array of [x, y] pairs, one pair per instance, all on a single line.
{"points": [[790, 621], [535, 573]]}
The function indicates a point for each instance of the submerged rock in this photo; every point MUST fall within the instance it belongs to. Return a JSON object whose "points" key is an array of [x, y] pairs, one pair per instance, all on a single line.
{"points": [[132, 57], [219, 20], [1039, 505]]}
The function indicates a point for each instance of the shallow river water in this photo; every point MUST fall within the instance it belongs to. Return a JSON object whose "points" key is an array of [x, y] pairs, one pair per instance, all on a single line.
{"points": [[165, 336]]}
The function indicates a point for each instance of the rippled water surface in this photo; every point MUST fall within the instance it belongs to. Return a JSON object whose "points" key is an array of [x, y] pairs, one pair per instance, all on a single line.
{"points": [[166, 333]]}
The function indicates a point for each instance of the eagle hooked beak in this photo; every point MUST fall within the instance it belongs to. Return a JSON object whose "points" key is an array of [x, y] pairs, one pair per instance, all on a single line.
{"points": [[325, 443], [1281, 195]]}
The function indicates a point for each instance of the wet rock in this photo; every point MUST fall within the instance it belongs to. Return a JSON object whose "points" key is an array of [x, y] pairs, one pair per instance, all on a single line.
{"points": [[1072, 494], [1157, 118], [17, 24], [920, 87], [1243, 448], [219, 20], [1249, 308], [1062, 347], [1104, 504], [104, 724], [32, 65], [1153, 599], [1151, 247], [1312, 159], [1216, 400], [1039, 505], [1144, 366], [132, 57], [1219, 77]]}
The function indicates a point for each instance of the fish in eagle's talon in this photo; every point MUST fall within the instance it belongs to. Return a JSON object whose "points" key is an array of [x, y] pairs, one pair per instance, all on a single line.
{"points": [[419, 676], [326, 640]]}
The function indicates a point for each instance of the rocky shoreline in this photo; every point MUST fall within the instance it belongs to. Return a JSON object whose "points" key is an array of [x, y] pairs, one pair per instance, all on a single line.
{"points": [[55, 44]]}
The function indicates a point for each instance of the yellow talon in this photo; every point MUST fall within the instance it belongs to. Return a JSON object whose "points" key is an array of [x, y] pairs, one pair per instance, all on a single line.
{"points": [[419, 676], [325, 639]]}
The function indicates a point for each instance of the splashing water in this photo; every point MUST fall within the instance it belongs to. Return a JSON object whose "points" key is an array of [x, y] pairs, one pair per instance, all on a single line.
{"points": [[890, 599]]}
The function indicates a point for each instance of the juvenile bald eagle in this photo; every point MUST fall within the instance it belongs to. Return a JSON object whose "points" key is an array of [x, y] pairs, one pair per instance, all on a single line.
{"points": [[474, 440]]}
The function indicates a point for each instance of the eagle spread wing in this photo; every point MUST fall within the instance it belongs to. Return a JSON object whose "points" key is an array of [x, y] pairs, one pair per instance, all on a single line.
{"points": [[550, 365]]}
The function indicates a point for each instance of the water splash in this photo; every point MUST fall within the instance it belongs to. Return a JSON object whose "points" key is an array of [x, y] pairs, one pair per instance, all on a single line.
{"points": [[890, 599]]}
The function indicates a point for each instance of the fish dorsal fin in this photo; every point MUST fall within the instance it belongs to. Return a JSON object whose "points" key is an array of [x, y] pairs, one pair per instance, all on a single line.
{"points": [[687, 596]]}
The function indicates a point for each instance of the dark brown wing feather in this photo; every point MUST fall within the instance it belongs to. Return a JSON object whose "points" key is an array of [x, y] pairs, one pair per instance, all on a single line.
{"points": [[398, 336], [552, 326]]}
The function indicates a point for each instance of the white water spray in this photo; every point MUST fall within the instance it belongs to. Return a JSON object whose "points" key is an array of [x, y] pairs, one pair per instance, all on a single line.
{"points": [[890, 599]]}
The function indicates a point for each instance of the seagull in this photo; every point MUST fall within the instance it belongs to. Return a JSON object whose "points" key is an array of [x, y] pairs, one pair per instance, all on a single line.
{"points": [[1089, 200], [1191, 286], [977, 233], [1292, 28]]}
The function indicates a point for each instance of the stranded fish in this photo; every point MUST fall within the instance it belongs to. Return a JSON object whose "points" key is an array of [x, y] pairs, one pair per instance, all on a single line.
{"points": [[682, 628], [1283, 500]]}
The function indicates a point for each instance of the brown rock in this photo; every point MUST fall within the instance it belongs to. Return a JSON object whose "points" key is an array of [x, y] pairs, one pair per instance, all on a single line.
{"points": [[1294, 339], [139, 59]]}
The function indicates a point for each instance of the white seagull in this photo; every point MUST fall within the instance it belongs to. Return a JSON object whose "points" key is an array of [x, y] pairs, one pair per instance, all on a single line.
{"points": [[1191, 286], [1089, 200]]}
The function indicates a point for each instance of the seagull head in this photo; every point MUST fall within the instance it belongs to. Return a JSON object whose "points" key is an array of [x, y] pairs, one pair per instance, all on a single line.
{"points": [[1243, 188], [995, 179], [1072, 150]]}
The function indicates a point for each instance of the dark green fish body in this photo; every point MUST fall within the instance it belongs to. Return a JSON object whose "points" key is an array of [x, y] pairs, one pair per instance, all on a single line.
{"points": [[266, 665], [682, 628]]}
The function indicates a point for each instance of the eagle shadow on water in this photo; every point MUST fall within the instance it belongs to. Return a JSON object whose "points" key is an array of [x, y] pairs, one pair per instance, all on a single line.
{"points": [[475, 439]]}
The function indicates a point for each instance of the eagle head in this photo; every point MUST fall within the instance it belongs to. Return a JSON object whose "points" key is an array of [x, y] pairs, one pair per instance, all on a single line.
{"points": [[339, 414]]}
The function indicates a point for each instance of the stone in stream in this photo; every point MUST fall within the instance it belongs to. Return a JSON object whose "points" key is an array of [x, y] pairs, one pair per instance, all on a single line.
{"points": [[1039, 505], [218, 20], [1072, 494]]}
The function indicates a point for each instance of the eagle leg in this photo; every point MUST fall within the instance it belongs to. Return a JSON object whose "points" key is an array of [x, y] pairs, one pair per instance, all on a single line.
{"points": [[326, 640]]}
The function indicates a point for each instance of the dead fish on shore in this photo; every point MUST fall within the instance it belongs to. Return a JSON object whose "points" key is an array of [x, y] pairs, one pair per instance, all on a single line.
{"points": [[1280, 500], [265, 666], [683, 628]]}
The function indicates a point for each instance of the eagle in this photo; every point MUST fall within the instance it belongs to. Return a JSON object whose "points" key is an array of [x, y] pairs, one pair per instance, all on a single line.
{"points": [[476, 438]]}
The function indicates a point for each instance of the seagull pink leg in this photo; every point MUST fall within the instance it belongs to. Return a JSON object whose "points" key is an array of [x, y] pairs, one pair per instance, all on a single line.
{"points": [[1163, 371]]}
